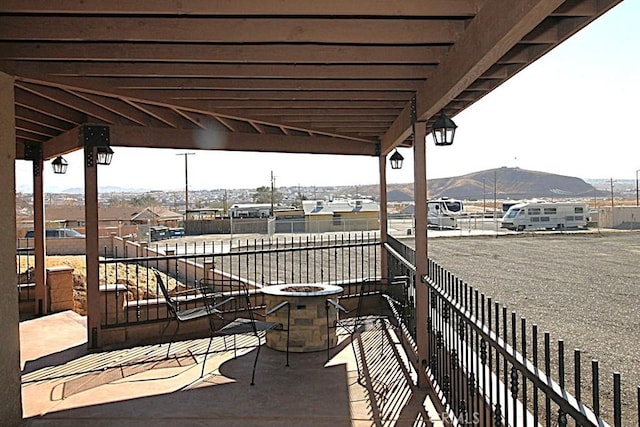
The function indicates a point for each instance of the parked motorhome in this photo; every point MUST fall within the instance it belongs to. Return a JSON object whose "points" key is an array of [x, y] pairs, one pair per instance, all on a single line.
{"points": [[541, 215], [444, 212]]}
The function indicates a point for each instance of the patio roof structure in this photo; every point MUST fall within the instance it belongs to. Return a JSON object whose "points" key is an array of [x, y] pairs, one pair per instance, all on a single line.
{"points": [[331, 77]]}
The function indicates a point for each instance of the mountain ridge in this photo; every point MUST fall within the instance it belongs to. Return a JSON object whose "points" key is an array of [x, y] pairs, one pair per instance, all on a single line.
{"points": [[509, 183]]}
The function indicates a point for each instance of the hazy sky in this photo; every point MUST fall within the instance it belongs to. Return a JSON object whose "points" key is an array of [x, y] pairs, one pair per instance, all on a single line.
{"points": [[574, 112]]}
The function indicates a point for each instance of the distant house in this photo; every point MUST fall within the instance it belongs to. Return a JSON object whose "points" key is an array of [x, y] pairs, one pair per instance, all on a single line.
{"points": [[204, 213], [110, 219], [341, 215], [250, 210], [157, 216]]}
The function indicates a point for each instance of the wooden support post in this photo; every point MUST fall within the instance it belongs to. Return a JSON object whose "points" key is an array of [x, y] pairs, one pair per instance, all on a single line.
{"points": [[384, 229], [92, 251], [11, 390], [422, 291]]}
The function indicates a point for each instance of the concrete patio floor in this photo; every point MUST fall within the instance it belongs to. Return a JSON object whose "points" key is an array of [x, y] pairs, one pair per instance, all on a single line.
{"points": [[65, 385]]}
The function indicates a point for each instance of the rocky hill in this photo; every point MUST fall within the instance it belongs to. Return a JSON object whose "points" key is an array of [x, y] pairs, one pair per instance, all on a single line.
{"points": [[509, 183]]}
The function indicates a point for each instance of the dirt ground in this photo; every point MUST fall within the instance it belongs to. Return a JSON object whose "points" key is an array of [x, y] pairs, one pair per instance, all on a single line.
{"points": [[141, 288], [581, 288]]}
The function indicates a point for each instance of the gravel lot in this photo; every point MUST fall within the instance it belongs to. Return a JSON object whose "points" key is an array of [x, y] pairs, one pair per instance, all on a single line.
{"points": [[582, 288]]}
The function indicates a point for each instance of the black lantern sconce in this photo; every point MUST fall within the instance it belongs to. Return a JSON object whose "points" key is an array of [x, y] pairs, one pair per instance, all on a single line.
{"points": [[104, 154], [443, 130], [97, 137], [396, 160], [59, 165]]}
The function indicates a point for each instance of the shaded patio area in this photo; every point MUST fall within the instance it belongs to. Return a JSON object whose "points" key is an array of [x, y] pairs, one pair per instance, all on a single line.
{"points": [[367, 383]]}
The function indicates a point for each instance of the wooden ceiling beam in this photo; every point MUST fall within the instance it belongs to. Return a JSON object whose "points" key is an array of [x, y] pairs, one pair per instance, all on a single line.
{"points": [[117, 106], [213, 53], [417, 8], [285, 114], [71, 101], [125, 85], [48, 108], [335, 118], [43, 71], [191, 139], [171, 96], [577, 8], [59, 145], [153, 113], [231, 30], [36, 128], [41, 119], [497, 27], [62, 144], [216, 106]]}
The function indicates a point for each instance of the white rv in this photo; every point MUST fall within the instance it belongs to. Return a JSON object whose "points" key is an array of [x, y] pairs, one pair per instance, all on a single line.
{"points": [[541, 215], [443, 212]]}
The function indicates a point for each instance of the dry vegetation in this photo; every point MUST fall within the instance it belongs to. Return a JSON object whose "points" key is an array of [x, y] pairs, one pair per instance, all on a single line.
{"points": [[139, 284]]}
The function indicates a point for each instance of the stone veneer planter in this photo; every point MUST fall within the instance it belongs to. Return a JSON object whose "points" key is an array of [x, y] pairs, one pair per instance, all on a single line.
{"points": [[308, 324]]}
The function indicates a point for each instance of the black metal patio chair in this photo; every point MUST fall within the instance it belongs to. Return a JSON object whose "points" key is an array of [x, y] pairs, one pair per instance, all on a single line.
{"points": [[230, 301], [216, 298], [358, 322]]}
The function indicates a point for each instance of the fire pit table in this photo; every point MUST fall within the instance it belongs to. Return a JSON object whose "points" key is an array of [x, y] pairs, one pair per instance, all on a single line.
{"points": [[308, 322]]}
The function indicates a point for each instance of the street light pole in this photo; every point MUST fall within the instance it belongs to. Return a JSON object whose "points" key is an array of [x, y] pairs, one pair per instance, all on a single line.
{"points": [[186, 182]]}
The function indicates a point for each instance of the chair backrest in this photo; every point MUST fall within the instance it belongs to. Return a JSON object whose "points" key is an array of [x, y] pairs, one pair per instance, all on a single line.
{"points": [[165, 293]]}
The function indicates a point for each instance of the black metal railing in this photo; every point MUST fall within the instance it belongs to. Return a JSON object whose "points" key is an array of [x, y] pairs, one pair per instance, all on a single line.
{"points": [[492, 368], [25, 264], [130, 295]]}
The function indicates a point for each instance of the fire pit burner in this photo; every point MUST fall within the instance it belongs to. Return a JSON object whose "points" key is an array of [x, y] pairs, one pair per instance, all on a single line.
{"points": [[302, 288]]}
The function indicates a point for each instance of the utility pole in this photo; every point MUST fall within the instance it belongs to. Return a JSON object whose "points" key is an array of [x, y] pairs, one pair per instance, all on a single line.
{"points": [[484, 198], [612, 195], [637, 199], [612, 214], [273, 185], [186, 182]]}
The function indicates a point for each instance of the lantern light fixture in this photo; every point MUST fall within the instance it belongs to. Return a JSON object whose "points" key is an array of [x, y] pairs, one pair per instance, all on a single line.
{"points": [[443, 130], [396, 160], [104, 155], [59, 165]]}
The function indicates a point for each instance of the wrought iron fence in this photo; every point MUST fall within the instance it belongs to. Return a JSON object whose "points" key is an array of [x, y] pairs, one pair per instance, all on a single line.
{"points": [[343, 259], [492, 368], [25, 264]]}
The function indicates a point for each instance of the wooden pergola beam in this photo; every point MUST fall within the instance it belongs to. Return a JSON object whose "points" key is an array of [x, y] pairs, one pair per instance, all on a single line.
{"points": [[44, 71], [213, 53], [131, 85], [62, 144], [231, 30], [204, 139], [248, 7]]}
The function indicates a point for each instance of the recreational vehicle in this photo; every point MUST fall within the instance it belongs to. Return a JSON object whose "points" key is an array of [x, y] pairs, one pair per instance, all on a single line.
{"points": [[541, 215], [443, 212]]}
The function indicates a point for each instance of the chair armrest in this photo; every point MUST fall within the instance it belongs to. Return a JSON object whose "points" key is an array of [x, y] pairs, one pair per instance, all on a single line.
{"points": [[336, 305], [223, 302], [277, 307], [185, 292]]}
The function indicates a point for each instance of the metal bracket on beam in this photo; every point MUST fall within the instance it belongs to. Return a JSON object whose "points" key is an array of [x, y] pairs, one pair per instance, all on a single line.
{"points": [[414, 110], [34, 152], [92, 136]]}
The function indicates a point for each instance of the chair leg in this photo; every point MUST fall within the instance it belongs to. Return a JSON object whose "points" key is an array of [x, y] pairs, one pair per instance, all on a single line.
{"points": [[255, 363], [164, 329], [172, 338], [204, 361]]}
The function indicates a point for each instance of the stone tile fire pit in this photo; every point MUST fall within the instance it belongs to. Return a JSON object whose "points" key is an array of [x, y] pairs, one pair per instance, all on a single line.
{"points": [[308, 325]]}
